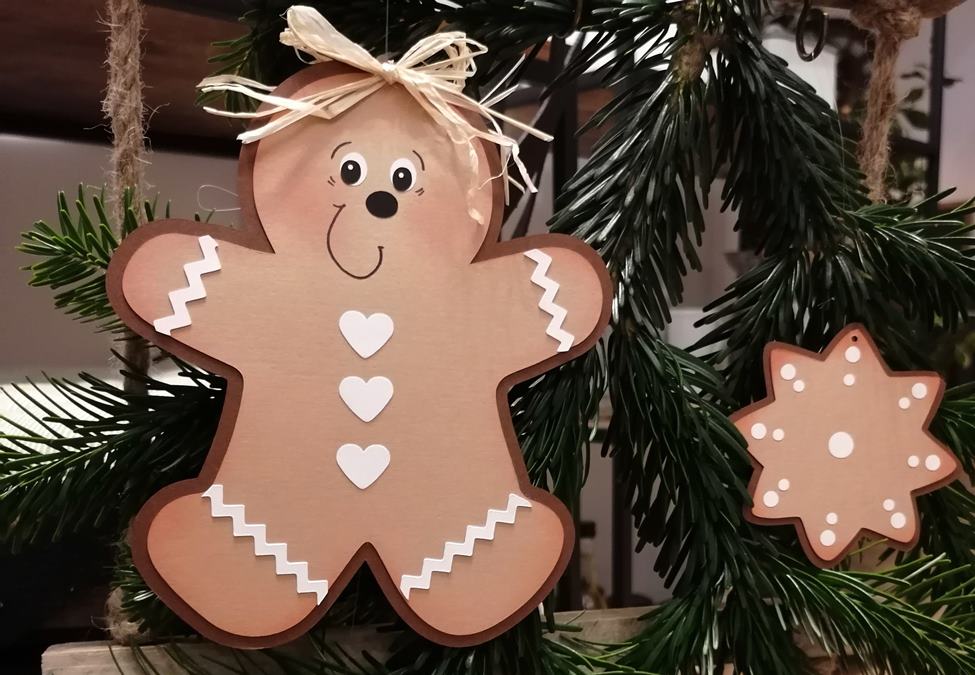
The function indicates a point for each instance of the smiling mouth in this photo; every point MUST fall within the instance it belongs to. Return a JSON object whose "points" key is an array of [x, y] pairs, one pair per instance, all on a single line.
{"points": [[331, 254]]}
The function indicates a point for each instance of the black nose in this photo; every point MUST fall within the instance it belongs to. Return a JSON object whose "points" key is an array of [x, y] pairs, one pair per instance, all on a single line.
{"points": [[381, 204]]}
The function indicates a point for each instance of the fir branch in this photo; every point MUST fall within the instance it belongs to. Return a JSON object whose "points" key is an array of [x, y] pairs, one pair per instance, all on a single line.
{"points": [[680, 636], [138, 603], [899, 625], [924, 262], [947, 524], [258, 54], [703, 549], [892, 633], [948, 515], [76, 255], [804, 297], [893, 268], [955, 425], [523, 650], [949, 595], [685, 467], [554, 417], [74, 472], [788, 174], [637, 200]]}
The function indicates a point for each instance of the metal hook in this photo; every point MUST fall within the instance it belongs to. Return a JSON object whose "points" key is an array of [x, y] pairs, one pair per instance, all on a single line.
{"points": [[823, 18]]}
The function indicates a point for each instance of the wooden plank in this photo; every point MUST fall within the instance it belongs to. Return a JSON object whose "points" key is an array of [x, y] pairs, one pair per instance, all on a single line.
{"points": [[100, 658]]}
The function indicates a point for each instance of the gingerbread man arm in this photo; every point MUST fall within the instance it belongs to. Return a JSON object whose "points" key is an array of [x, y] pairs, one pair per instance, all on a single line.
{"points": [[178, 279], [546, 296]]}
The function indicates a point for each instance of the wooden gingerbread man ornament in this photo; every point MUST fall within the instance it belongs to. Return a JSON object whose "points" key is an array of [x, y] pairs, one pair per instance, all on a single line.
{"points": [[369, 330], [841, 445]]}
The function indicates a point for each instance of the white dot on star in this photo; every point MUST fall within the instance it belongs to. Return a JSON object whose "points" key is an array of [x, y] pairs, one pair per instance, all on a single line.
{"points": [[914, 461], [788, 371], [919, 390], [849, 379], [759, 431], [832, 518], [852, 354], [784, 485], [771, 499], [778, 434], [798, 386], [898, 520], [840, 445], [889, 505], [904, 403], [932, 462], [827, 537]]}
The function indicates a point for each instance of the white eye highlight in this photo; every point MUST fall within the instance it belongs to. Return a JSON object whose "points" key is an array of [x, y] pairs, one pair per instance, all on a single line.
{"points": [[402, 174], [353, 169]]}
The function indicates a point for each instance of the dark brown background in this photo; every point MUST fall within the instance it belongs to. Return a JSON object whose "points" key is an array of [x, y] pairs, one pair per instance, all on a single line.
{"points": [[52, 73]]}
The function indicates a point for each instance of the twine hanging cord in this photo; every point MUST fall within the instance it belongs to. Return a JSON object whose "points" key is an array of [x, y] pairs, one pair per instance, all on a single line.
{"points": [[123, 105], [891, 22], [436, 84], [123, 102]]}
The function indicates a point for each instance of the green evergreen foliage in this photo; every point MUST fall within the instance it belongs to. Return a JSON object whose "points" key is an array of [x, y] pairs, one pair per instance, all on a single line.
{"points": [[102, 453], [74, 257], [742, 594]]}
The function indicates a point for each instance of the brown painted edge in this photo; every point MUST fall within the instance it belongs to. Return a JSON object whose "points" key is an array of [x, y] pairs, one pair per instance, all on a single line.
{"points": [[251, 235], [757, 466]]}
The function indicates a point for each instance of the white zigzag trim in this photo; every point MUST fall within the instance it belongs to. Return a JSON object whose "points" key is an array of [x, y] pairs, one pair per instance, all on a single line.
{"points": [[194, 272], [258, 533], [547, 304], [465, 548]]}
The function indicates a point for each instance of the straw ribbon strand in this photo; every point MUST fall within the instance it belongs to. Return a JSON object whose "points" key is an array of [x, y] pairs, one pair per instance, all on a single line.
{"points": [[435, 82]]}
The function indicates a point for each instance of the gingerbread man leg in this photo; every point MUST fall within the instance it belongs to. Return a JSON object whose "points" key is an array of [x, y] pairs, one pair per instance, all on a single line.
{"points": [[240, 549], [499, 576], [218, 574], [486, 543]]}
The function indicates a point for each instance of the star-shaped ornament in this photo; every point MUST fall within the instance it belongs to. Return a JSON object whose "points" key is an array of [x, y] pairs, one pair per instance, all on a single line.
{"points": [[841, 445]]}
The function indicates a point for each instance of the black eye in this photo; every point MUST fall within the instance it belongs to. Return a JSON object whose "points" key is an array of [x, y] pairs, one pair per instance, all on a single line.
{"points": [[402, 174], [353, 169]]}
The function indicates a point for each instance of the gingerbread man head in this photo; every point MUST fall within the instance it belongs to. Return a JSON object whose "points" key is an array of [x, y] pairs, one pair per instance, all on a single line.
{"points": [[382, 186]]}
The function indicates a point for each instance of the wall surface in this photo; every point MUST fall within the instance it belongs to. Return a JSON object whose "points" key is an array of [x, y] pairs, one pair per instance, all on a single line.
{"points": [[33, 335], [958, 148], [957, 165]]}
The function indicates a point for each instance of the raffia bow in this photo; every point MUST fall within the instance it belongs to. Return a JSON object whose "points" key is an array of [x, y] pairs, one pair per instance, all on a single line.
{"points": [[436, 84]]}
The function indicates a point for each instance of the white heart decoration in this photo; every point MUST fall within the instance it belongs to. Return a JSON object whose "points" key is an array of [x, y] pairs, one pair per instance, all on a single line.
{"points": [[362, 466], [366, 335], [366, 398]]}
